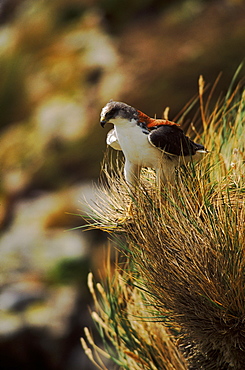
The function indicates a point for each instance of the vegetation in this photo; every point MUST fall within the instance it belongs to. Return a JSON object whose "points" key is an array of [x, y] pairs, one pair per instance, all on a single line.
{"points": [[178, 301], [60, 62]]}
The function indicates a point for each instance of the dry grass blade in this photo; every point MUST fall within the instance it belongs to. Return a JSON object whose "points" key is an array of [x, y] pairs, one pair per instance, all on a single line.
{"points": [[128, 321], [187, 244]]}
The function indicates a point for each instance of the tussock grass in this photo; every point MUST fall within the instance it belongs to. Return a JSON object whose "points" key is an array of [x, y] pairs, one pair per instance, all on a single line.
{"points": [[128, 321], [186, 244]]}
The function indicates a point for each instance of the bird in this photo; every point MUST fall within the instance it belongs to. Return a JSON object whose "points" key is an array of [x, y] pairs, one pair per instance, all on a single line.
{"points": [[148, 142]]}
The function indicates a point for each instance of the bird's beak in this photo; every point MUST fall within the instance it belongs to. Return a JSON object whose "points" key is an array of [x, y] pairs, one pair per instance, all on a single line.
{"points": [[103, 121]]}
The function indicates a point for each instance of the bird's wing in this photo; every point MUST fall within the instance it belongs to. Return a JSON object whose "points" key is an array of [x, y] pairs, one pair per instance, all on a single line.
{"points": [[112, 140], [172, 140]]}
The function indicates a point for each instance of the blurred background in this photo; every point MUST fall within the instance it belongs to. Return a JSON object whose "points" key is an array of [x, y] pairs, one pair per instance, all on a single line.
{"points": [[60, 62]]}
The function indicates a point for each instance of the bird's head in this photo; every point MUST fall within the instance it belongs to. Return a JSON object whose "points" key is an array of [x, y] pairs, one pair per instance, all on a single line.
{"points": [[115, 112]]}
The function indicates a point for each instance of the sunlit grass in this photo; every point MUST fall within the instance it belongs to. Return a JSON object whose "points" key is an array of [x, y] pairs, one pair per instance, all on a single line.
{"points": [[186, 245], [129, 327]]}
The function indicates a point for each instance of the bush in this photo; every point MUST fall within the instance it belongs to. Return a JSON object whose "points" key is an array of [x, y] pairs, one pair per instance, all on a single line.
{"points": [[179, 302]]}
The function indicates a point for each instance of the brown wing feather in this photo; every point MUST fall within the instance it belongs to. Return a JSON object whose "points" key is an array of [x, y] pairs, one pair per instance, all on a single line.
{"points": [[151, 122]]}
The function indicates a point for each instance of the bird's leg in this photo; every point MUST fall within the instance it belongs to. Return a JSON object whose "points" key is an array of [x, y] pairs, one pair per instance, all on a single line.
{"points": [[131, 173], [165, 173], [132, 176], [160, 177], [165, 179]]}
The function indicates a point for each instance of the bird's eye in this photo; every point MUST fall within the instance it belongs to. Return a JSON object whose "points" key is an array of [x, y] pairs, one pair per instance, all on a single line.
{"points": [[112, 113]]}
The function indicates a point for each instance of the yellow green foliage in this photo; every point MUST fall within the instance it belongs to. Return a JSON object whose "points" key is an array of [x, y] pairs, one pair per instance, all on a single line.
{"points": [[185, 244]]}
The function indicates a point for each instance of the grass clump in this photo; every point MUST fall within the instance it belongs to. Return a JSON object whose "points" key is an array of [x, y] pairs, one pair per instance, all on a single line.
{"points": [[129, 326], [186, 246]]}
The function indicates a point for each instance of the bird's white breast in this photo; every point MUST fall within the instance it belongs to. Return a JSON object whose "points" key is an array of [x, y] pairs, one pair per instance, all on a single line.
{"points": [[135, 144]]}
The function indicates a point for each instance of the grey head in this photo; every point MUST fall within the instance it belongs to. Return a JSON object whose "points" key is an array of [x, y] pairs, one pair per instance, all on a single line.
{"points": [[115, 109]]}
